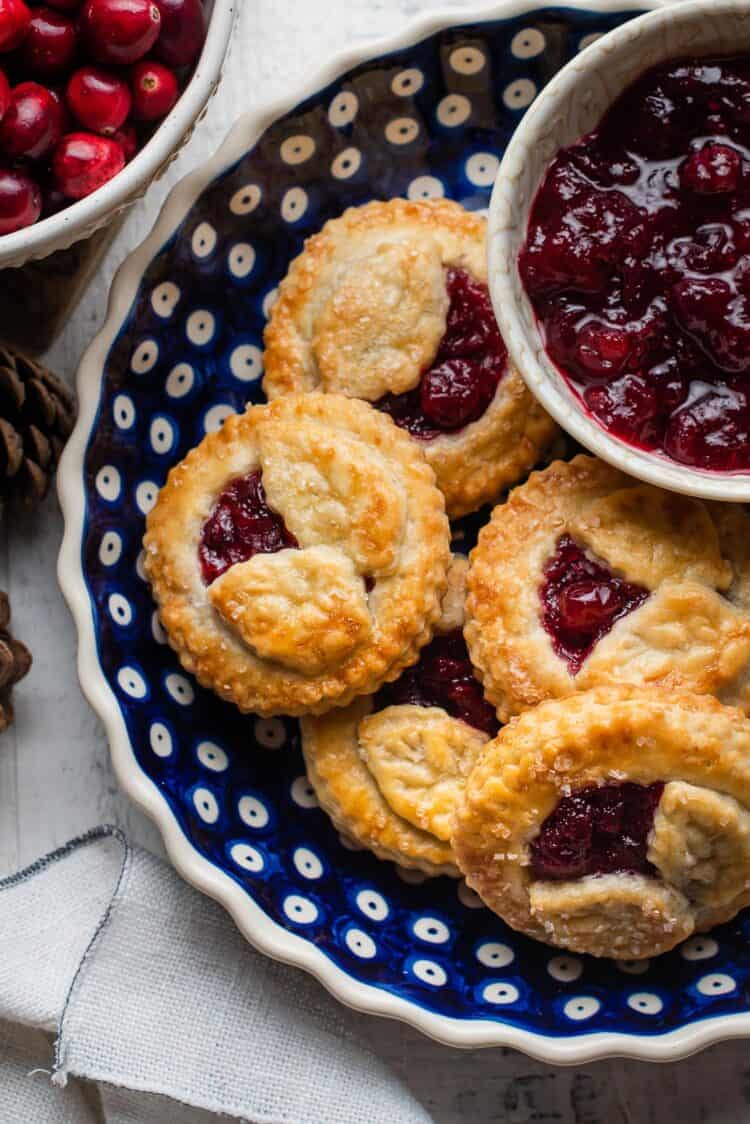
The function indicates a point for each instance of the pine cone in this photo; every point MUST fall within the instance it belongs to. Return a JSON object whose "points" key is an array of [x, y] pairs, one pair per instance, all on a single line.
{"points": [[37, 413], [15, 661]]}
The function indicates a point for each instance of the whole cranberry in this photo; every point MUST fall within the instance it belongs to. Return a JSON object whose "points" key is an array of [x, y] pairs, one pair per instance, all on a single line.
{"points": [[51, 42], [183, 31], [33, 123], [5, 96], [451, 393], [15, 18], [712, 170], [588, 604], [127, 138], [120, 31], [83, 162], [155, 90], [100, 100], [20, 200]]}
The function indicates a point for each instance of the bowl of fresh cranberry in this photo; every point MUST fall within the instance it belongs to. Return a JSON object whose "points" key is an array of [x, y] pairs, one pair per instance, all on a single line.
{"points": [[619, 246], [96, 96]]}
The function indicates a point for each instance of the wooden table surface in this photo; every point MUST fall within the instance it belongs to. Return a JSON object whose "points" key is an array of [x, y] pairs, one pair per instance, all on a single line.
{"points": [[55, 775]]}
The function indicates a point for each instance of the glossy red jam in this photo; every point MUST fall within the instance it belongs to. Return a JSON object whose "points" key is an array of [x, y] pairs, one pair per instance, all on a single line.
{"points": [[461, 383], [597, 831], [581, 600], [443, 677], [240, 525], [637, 262]]}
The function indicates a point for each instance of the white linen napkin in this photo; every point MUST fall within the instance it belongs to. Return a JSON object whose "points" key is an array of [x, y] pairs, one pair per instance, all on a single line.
{"points": [[126, 996]]}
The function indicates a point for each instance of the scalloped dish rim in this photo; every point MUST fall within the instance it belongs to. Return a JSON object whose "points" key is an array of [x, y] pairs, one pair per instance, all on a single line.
{"points": [[255, 925]]}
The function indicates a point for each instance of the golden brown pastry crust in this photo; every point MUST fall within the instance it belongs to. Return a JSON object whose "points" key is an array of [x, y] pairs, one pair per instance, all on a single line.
{"points": [[699, 844], [360, 313], [348, 792], [361, 501], [390, 780], [692, 632]]}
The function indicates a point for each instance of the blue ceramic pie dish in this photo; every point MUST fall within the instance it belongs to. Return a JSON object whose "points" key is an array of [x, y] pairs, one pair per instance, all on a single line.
{"points": [[428, 114]]}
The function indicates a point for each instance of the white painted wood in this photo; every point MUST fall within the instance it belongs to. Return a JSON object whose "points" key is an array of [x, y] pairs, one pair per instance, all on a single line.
{"points": [[55, 776]]}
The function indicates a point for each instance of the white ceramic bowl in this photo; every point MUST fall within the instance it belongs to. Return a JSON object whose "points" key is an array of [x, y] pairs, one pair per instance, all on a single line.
{"points": [[570, 106], [83, 218]]}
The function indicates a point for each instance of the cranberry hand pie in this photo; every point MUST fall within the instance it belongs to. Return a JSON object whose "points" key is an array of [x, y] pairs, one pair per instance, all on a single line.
{"points": [[388, 769], [389, 303], [615, 822], [586, 578], [299, 555]]}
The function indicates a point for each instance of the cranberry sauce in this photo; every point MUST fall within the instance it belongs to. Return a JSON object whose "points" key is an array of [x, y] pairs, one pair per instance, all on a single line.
{"points": [[581, 600], [637, 262], [443, 677], [470, 362], [240, 525], [597, 831]]}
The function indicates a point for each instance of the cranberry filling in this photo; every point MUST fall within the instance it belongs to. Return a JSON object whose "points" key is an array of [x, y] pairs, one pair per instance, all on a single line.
{"points": [[581, 600], [443, 677], [240, 525], [636, 262], [597, 831], [471, 359]]}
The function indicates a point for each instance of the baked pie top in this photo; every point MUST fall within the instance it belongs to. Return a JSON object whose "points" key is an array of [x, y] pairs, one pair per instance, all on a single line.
{"points": [[615, 822], [586, 577], [389, 303], [389, 769], [298, 555]]}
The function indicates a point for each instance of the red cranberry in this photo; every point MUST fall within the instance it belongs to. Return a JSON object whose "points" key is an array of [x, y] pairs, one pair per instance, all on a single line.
{"points": [[99, 99], [33, 123], [241, 525], [716, 318], [582, 243], [5, 94], [155, 90], [443, 677], [711, 432], [183, 31], [581, 601], [20, 200], [83, 162], [120, 31], [712, 170], [15, 18], [597, 831], [451, 393], [127, 138], [629, 407], [587, 604], [602, 349], [51, 42]]}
